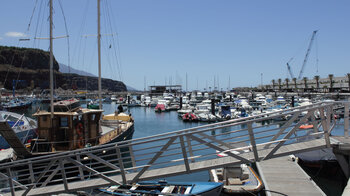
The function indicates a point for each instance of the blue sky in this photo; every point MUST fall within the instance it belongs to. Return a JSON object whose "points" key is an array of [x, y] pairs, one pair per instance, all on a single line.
{"points": [[162, 40]]}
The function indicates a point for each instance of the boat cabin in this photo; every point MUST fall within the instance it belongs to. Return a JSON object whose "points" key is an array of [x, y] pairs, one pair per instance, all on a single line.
{"points": [[71, 128]]}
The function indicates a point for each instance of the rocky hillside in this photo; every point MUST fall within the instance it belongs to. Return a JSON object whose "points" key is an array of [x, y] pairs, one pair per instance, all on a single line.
{"points": [[30, 67]]}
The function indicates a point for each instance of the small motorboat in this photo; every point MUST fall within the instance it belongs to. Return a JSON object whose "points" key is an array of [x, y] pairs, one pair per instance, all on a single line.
{"points": [[237, 179], [207, 117], [93, 105], [189, 117], [306, 126], [159, 108], [166, 188], [23, 126]]}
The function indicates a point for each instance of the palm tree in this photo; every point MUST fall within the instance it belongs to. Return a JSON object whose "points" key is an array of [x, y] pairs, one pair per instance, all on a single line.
{"points": [[305, 82], [273, 84], [295, 83], [287, 83], [348, 75], [330, 76], [279, 84], [317, 78]]}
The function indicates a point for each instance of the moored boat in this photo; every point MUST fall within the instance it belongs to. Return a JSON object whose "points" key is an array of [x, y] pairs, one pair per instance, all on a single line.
{"points": [[23, 126], [160, 108], [166, 188], [189, 117], [237, 179], [76, 127]]}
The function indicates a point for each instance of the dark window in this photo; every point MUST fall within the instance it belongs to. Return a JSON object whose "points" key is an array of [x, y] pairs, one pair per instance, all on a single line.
{"points": [[64, 122]]}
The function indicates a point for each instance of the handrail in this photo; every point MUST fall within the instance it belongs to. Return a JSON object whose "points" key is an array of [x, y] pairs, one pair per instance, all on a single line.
{"points": [[193, 149]]}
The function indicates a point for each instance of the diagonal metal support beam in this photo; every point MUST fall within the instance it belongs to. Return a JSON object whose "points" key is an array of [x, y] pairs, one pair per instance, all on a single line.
{"points": [[14, 181], [219, 149], [166, 146], [103, 161], [287, 136], [227, 145], [52, 162], [63, 173], [252, 141], [50, 177], [283, 128], [92, 170]]}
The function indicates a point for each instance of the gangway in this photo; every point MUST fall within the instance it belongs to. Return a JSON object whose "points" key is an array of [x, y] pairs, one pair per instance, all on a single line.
{"points": [[245, 140]]}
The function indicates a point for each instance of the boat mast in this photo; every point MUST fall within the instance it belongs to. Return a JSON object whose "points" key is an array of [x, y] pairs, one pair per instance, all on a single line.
{"points": [[51, 63], [99, 54]]}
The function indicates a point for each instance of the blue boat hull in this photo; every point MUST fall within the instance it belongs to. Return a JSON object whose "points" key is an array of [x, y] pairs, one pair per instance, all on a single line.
{"points": [[28, 134], [156, 188]]}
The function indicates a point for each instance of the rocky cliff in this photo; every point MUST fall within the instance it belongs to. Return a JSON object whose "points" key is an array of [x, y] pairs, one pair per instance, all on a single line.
{"points": [[30, 68]]}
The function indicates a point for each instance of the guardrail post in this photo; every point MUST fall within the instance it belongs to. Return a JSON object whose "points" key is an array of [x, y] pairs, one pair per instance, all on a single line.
{"points": [[10, 181], [30, 167], [325, 127], [252, 141], [121, 164], [188, 139], [346, 120], [81, 173], [132, 156], [184, 153]]}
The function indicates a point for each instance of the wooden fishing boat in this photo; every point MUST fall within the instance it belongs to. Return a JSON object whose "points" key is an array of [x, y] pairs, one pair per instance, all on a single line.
{"points": [[73, 127]]}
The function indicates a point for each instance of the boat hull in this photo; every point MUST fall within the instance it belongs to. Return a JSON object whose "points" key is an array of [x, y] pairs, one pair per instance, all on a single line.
{"points": [[166, 188], [28, 134]]}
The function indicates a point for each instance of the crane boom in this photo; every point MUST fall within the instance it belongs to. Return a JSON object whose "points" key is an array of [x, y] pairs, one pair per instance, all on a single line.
{"points": [[290, 71], [307, 55]]}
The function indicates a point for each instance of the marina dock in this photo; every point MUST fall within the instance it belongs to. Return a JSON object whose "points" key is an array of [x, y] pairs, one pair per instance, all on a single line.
{"points": [[186, 151], [283, 176]]}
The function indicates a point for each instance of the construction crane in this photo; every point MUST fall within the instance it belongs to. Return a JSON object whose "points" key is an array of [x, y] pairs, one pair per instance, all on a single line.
{"points": [[305, 59]]}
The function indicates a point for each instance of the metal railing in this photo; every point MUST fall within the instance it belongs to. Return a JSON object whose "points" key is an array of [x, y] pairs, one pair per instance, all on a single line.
{"points": [[236, 141]]}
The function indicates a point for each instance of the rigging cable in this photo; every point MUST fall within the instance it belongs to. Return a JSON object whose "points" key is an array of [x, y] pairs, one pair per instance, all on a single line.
{"points": [[77, 51], [118, 47], [112, 68], [112, 71], [24, 54], [66, 28], [68, 49], [13, 57], [31, 17]]}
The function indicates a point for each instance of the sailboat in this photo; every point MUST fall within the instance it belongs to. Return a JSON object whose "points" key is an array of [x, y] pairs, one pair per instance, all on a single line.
{"points": [[66, 126]]}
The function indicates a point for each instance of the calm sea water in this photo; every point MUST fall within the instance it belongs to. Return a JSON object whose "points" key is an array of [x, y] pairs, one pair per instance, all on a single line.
{"points": [[148, 122]]}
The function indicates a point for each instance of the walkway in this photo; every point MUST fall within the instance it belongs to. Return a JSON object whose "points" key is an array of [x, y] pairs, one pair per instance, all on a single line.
{"points": [[252, 139]]}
